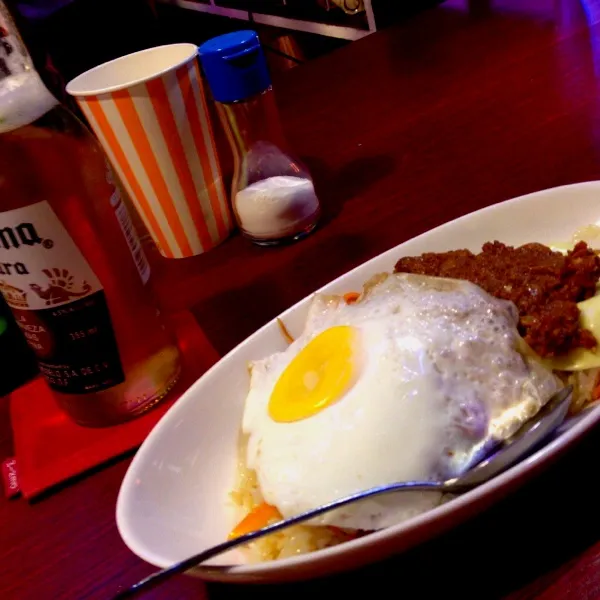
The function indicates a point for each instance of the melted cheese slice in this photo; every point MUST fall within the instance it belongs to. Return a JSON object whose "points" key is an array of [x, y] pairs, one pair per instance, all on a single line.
{"points": [[581, 359], [589, 318]]}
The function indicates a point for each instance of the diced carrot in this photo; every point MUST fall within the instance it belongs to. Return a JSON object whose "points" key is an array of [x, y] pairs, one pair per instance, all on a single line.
{"points": [[351, 297], [284, 330], [596, 389], [256, 519]]}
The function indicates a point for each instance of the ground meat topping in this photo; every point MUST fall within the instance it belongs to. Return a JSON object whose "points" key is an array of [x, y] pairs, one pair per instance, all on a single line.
{"points": [[544, 285]]}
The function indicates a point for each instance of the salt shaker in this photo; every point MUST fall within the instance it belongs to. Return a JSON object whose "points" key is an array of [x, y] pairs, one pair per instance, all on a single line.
{"points": [[273, 196]]}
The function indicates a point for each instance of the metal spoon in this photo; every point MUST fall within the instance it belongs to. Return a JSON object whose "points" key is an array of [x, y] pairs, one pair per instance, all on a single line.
{"points": [[506, 454]]}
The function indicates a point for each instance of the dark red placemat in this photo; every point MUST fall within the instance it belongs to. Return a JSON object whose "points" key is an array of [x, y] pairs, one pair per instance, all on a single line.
{"points": [[49, 448]]}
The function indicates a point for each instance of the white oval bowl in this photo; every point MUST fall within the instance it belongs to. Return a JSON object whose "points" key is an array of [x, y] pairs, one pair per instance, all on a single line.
{"points": [[174, 498]]}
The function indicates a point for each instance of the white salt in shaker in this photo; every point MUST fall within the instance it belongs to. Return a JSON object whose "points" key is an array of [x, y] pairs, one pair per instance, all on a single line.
{"points": [[273, 196]]}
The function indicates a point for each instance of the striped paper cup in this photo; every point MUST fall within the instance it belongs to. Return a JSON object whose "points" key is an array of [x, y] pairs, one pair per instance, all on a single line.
{"points": [[149, 112]]}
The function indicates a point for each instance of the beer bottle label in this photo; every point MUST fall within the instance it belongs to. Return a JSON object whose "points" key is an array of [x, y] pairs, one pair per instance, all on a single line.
{"points": [[58, 302], [128, 229], [131, 236]]}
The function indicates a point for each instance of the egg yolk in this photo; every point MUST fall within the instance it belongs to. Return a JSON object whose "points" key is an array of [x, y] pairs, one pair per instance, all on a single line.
{"points": [[318, 376]]}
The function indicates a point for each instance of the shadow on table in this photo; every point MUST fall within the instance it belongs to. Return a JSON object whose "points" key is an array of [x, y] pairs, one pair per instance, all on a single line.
{"points": [[525, 540], [352, 180]]}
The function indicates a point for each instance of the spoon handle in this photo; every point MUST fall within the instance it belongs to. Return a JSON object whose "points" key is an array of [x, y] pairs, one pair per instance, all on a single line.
{"points": [[159, 577]]}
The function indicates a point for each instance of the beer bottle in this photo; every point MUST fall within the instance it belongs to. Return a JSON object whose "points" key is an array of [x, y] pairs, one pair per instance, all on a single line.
{"points": [[72, 268]]}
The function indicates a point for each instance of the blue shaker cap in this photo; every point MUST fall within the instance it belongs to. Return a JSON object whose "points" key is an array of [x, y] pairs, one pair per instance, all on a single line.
{"points": [[235, 66]]}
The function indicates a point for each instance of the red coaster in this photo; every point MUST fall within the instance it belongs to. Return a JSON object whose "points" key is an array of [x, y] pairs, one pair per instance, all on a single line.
{"points": [[50, 448]]}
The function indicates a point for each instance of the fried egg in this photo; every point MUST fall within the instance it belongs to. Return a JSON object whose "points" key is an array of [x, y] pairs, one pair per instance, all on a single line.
{"points": [[405, 384]]}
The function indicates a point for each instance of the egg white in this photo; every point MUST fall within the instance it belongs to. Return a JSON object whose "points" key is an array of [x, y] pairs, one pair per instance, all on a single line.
{"points": [[437, 374]]}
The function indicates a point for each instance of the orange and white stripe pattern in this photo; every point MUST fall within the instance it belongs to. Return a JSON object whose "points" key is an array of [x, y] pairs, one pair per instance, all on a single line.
{"points": [[159, 138]]}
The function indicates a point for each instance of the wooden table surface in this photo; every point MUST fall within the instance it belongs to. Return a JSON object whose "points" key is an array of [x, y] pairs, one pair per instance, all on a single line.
{"points": [[456, 109]]}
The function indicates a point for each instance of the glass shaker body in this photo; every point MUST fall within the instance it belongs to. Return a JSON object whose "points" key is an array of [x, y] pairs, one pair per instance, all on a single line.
{"points": [[272, 192]]}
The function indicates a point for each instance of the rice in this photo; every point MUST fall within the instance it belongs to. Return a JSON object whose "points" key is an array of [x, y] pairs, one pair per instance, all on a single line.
{"points": [[584, 384], [302, 539], [292, 541]]}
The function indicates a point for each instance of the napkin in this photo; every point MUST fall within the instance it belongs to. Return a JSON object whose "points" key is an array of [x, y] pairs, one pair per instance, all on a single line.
{"points": [[50, 449]]}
